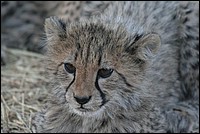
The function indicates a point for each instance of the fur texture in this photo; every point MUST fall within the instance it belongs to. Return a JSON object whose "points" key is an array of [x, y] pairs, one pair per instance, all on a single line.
{"points": [[143, 45]]}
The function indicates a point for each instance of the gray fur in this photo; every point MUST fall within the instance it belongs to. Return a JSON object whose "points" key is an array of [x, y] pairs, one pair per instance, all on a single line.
{"points": [[148, 91]]}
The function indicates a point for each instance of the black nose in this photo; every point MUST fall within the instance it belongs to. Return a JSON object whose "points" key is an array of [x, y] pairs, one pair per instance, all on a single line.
{"points": [[82, 100]]}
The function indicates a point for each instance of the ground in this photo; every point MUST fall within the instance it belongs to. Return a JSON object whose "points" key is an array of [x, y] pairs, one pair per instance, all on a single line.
{"points": [[23, 90]]}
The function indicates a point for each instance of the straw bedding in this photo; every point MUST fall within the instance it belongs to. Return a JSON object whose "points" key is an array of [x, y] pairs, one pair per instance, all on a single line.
{"points": [[23, 90]]}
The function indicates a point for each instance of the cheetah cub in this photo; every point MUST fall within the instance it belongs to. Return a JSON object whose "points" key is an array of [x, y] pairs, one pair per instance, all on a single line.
{"points": [[119, 70]]}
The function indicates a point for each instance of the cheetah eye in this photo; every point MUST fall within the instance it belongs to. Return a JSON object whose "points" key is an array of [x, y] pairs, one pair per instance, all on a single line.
{"points": [[105, 73], [69, 68]]}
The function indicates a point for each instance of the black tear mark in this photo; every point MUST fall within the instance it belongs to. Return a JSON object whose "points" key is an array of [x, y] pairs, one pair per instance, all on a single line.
{"points": [[103, 96]]}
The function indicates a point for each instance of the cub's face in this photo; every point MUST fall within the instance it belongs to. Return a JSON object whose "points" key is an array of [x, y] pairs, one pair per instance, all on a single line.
{"points": [[97, 68]]}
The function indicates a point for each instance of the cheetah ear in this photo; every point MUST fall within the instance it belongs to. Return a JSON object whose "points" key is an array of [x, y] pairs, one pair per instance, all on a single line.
{"points": [[149, 45], [55, 29], [146, 46]]}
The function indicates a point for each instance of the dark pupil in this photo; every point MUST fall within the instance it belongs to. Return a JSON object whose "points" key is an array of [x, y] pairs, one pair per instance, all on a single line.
{"points": [[104, 73], [69, 68]]}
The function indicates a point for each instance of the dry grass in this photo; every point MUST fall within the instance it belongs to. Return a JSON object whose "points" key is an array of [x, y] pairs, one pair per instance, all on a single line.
{"points": [[23, 90]]}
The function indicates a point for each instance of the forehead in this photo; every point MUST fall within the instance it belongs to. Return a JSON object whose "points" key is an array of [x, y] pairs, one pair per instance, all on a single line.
{"points": [[91, 43], [92, 55], [95, 43]]}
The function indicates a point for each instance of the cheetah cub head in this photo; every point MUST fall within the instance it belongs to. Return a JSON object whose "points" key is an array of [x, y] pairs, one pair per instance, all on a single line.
{"points": [[96, 68]]}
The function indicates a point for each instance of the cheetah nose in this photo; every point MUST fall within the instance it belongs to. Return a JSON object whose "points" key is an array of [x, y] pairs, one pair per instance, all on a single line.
{"points": [[82, 100]]}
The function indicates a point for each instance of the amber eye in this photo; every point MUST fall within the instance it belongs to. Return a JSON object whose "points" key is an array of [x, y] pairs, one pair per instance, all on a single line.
{"points": [[69, 68], [105, 73]]}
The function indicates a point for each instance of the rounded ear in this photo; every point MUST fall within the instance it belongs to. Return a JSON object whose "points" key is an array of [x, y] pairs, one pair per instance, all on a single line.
{"points": [[148, 46], [144, 47], [55, 29]]}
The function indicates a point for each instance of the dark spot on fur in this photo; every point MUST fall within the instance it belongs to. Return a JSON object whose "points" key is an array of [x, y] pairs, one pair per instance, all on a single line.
{"points": [[192, 37], [190, 28], [174, 17], [185, 20], [188, 11], [175, 109], [104, 123], [195, 66], [187, 55]]}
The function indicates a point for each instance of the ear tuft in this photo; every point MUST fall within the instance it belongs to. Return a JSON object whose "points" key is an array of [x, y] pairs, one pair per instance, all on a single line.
{"points": [[55, 28], [148, 46]]}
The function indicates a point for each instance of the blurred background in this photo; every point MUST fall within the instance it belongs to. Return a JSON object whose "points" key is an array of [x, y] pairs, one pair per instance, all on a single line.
{"points": [[23, 85]]}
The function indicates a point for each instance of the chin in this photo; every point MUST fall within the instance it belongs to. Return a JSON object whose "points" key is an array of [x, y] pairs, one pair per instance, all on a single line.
{"points": [[85, 112]]}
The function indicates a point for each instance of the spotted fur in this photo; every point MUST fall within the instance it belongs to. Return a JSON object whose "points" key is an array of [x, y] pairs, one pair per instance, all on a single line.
{"points": [[144, 44]]}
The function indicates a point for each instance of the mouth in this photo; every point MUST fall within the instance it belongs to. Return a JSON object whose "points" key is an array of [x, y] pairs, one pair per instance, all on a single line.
{"points": [[83, 109], [89, 111]]}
